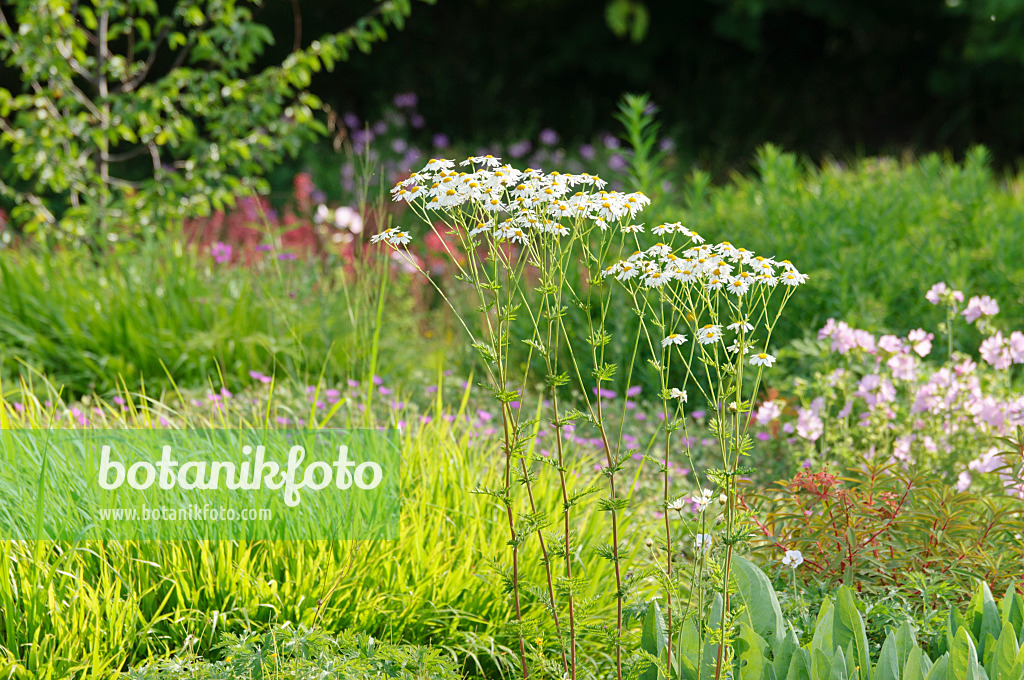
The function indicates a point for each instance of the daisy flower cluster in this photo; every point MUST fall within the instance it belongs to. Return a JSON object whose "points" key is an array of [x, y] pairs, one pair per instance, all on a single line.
{"points": [[495, 200], [724, 286]]}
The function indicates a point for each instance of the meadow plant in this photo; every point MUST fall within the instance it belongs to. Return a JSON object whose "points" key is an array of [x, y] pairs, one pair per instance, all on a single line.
{"points": [[881, 399], [728, 300], [520, 240]]}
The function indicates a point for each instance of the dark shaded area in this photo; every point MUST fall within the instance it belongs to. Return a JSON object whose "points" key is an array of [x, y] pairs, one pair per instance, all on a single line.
{"points": [[817, 76], [820, 77]]}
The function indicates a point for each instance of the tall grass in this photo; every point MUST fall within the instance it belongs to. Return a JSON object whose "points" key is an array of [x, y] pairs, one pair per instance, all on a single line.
{"points": [[163, 311], [91, 609]]}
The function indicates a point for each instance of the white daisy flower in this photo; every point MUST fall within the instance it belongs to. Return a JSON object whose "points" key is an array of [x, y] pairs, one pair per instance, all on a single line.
{"points": [[735, 327], [702, 542], [762, 359], [392, 237], [793, 278], [709, 334], [487, 161], [673, 339], [702, 500]]}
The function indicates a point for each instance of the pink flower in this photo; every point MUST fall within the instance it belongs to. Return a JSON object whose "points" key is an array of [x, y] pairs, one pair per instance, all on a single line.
{"points": [[903, 367], [963, 481], [921, 341], [890, 343], [940, 290], [768, 412], [808, 424], [1017, 347], [996, 351], [978, 307], [221, 252]]}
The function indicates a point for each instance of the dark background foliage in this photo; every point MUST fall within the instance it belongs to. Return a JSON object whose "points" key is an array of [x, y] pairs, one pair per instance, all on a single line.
{"points": [[817, 76]]}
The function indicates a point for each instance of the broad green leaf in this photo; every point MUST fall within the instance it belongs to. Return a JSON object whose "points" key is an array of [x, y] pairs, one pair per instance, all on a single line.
{"points": [[761, 610], [709, 659], [653, 638], [906, 642], [751, 651], [848, 627], [800, 666], [782, 654], [1000, 664], [838, 670], [821, 664], [887, 667], [983, 616], [822, 638], [1011, 611], [963, 658], [913, 669], [938, 669]]}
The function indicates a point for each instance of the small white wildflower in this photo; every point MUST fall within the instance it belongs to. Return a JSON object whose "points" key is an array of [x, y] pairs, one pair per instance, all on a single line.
{"points": [[709, 334], [673, 339], [762, 359], [793, 559], [702, 542], [676, 393], [702, 500]]}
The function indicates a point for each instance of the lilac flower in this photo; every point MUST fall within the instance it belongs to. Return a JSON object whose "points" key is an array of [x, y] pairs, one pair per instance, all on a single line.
{"points": [[617, 163], [921, 341], [604, 393], [768, 412], [520, 149], [441, 141], [610, 141], [288, 256], [399, 145], [548, 137], [666, 145], [698, 415], [587, 151], [996, 351], [764, 436], [416, 121], [406, 100], [940, 290], [351, 120], [264, 248]]}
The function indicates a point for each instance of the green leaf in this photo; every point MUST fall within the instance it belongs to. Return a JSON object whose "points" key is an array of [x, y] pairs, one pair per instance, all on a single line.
{"points": [[1001, 662], [983, 616], [887, 667], [751, 650], [914, 668], [838, 669], [963, 658], [848, 628], [938, 669], [653, 637], [906, 643], [800, 666], [1012, 611], [822, 638], [782, 654], [761, 610]]}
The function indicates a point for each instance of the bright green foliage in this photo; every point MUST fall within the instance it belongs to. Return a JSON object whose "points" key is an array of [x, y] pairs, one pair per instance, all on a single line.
{"points": [[134, 113], [300, 653], [981, 644]]}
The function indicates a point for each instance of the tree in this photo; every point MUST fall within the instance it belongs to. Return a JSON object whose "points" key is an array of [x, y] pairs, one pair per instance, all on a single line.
{"points": [[132, 116]]}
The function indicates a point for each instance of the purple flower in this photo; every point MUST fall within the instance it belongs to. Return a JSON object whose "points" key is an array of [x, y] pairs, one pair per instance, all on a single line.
{"points": [[666, 145], [587, 151], [416, 121], [617, 163], [351, 120], [764, 436], [604, 393], [221, 252], [520, 149], [399, 145], [634, 391], [288, 256], [610, 141], [698, 415], [405, 100], [264, 248], [441, 141], [548, 137]]}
